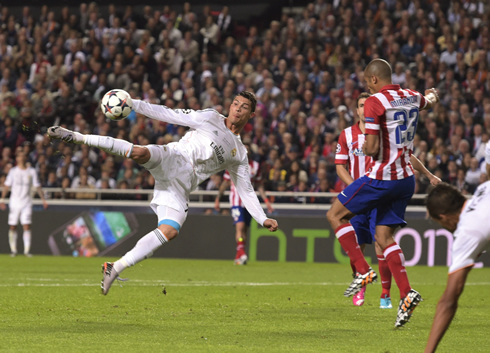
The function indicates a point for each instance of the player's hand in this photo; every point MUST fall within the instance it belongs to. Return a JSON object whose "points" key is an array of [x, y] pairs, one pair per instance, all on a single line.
{"points": [[271, 224], [216, 204], [432, 94], [434, 180], [45, 204], [3, 207]]}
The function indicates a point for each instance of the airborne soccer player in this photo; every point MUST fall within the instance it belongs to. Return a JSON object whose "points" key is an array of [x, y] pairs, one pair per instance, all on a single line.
{"points": [[351, 164], [211, 145], [391, 115]]}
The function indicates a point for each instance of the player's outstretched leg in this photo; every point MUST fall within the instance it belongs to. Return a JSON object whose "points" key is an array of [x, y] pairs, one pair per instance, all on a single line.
{"points": [[110, 145]]}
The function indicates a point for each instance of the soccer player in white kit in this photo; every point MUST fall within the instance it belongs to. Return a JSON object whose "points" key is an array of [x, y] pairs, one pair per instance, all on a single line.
{"points": [[20, 180], [211, 145], [468, 220]]}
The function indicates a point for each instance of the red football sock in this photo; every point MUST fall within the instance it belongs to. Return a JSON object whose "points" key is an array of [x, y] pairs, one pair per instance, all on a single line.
{"points": [[353, 266], [396, 262], [240, 248], [348, 240], [385, 274]]}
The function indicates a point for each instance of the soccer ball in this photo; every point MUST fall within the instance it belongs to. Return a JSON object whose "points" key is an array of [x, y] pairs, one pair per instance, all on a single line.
{"points": [[116, 104]]}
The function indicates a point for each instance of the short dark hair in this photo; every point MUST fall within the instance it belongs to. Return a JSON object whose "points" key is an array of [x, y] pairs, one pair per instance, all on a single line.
{"points": [[251, 97], [444, 199], [363, 95]]}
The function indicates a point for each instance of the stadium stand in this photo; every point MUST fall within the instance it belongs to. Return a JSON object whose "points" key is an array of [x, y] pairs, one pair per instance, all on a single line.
{"points": [[306, 68]]}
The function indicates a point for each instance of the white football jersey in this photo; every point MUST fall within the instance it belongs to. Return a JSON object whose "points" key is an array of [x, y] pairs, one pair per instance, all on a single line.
{"points": [[210, 147], [20, 182], [472, 234]]}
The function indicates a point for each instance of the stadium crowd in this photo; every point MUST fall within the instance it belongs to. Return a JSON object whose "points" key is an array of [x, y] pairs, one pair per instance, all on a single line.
{"points": [[306, 70]]}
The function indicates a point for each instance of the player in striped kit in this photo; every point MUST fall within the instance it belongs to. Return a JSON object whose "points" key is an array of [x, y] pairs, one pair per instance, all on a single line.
{"points": [[241, 217], [351, 165], [391, 116]]}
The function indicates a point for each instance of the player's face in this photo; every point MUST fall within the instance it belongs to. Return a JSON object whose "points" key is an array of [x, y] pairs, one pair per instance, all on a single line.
{"points": [[360, 109], [448, 222], [21, 159], [240, 111]]}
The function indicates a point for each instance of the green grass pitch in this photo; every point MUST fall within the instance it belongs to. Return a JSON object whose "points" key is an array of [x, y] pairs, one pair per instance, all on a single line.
{"points": [[53, 304]]}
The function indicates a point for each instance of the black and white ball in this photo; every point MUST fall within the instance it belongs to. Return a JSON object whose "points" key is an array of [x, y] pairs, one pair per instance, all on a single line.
{"points": [[116, 104]]}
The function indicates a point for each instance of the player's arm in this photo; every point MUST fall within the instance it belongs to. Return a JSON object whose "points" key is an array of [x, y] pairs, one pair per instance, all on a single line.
{"points": [[431, 98], [373, 110], [37, 185], [4, 195], [222, 188], [241, 178], [446, 308], [261, 190], [342, 160], [343, 173], [420, 167], [187, 117], [371, 145], [41, 196], [6, 187]]}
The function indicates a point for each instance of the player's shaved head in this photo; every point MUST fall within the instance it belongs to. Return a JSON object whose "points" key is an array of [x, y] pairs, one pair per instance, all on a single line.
{"points": [[379, 68]]}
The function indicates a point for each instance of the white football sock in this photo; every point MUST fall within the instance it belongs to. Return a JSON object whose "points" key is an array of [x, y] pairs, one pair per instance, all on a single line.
{"points": [[111, 145], [27, 241], [143, 249], [13, 241]]}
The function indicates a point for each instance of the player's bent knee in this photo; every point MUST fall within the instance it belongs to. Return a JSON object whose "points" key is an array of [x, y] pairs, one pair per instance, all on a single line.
{"points": [[169, 231]]}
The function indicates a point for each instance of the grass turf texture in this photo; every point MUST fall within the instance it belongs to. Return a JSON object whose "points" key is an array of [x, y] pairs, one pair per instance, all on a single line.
{"points": [[52, 304]]}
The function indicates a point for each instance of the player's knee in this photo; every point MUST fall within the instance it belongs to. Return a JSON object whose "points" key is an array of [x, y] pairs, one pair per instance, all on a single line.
{"points": [[140, 154], [169, 231]]}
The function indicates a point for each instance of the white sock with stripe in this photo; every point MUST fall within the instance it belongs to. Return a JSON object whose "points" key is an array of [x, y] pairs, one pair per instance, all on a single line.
{"points": [[143, 249], [13, 241], [110, 145], [27, 241]]}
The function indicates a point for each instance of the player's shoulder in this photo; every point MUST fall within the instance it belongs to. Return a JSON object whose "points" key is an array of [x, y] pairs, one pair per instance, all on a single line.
{"points": [[210, 112]]}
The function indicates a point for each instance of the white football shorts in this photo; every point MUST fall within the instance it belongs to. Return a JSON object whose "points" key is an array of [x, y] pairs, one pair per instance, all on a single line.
{"points": [[22, 213], [174, 179]]}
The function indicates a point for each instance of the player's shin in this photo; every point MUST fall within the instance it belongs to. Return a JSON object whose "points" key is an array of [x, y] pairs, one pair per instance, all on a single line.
{"points": [[143, 249], [110, 145], [396, 263], [385, 274], [13, 240], [27, 241], [348, 240]]}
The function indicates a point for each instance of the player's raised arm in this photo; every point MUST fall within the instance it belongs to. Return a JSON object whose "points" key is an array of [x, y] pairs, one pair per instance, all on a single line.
{"points": [[431, 98], [184, 117], [241, 178]]}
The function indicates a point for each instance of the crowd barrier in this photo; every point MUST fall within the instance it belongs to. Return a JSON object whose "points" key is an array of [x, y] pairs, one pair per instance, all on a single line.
{"points": [[76, 230]]}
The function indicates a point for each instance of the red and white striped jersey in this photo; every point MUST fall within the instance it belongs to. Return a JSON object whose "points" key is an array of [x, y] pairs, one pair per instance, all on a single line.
{"points": [[255, 176], [349, 151], [393, 114]]}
